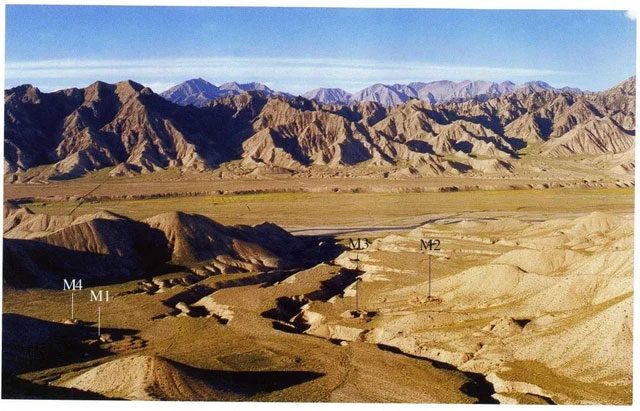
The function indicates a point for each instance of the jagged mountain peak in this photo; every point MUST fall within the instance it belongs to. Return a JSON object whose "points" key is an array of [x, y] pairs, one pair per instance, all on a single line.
{"points": [[242, 87], [627, 87], [24, 91], [231, 85], [128, 127], [199, 92], [99, 86], [328, 95], [129, 85], [535, 86], [195, 91]]}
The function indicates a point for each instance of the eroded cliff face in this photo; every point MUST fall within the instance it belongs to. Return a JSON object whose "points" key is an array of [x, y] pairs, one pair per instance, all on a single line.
{"points": [[129, 127]]}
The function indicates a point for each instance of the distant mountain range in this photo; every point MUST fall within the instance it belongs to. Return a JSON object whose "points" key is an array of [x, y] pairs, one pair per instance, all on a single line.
{"points": [[126, 126], [328, 95], [198, 92]]}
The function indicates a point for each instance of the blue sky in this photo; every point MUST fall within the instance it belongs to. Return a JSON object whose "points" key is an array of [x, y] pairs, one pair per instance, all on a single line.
{"points": [[297, 49]]}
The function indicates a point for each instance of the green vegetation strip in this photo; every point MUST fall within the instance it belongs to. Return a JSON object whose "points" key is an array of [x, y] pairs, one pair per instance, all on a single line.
{"points": [[355, 209]]}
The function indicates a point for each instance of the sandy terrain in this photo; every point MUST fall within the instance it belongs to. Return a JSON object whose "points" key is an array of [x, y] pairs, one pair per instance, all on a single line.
{"points": [[531, 303]]}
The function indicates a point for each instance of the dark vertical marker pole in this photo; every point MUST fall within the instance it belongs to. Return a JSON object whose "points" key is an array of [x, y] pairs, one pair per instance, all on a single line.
{"points": [[357, 261], [429, 276]]}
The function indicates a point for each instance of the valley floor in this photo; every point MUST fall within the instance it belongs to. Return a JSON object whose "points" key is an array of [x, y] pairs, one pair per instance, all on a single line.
{"points": [[382, 203]]}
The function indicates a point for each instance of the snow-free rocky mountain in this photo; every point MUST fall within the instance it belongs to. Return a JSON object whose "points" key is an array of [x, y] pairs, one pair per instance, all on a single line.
{"points": [[433, 92], [328, 95], [199, 91], [129, 128]]}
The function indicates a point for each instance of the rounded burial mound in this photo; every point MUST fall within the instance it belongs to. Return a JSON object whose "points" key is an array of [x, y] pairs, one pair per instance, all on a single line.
{"points": [[142, 377]]}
